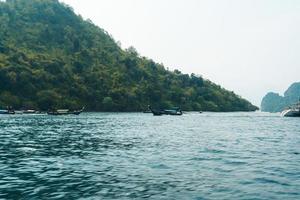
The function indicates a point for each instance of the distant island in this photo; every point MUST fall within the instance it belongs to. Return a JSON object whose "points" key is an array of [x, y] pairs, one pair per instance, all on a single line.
{"points": [[273, 102], [52, 58]]}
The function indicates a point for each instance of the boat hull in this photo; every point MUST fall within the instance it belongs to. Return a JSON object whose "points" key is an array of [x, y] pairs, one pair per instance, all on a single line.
{"points": [[68, 113], [291, 113], [172, 112], [65, 112], [6, 112], [29, 112], [165, 112]]}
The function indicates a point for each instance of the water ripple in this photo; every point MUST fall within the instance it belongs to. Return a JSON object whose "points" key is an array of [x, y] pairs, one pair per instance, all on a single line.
{"points": [[136, 156]]}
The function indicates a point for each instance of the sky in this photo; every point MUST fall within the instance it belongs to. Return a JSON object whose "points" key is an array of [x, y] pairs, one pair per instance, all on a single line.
{"points": [[250, 47]]}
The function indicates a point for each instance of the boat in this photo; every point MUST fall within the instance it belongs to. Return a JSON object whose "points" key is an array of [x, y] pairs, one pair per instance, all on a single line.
{"points": [[157, 112], [292, 111], [29, 112], [173, 111], [8, 111], [65, 112], [147, 111]]}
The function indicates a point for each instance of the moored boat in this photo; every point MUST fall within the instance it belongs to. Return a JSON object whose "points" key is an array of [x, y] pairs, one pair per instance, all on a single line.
{"points": [[173, 111], [147, 111], [292, 111], [65, 112], [8, 111], [29, 112]]}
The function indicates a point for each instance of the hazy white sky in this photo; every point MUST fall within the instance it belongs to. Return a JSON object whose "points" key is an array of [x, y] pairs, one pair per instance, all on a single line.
{"points": [[248, 46]]}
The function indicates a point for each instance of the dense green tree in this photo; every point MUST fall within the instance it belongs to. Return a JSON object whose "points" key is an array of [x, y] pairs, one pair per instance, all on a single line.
{"points": [[52, 58]]}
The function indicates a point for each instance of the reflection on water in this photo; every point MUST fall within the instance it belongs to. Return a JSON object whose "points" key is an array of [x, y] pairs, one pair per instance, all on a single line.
{"points": [[132, 155]]}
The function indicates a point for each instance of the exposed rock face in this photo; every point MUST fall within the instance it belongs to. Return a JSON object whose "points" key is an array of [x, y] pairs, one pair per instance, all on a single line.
{"points": [[273, 102]]}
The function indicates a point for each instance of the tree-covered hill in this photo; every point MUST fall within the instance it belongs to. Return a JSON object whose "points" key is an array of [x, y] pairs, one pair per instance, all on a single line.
{"points": [[52, 58]]}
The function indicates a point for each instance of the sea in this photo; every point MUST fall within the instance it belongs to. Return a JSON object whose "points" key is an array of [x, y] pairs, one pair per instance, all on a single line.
{"points": [[140, 156]]}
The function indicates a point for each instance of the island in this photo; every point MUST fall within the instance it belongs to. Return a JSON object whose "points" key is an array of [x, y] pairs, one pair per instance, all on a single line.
{"points": [[51, 58], [273, 102]]}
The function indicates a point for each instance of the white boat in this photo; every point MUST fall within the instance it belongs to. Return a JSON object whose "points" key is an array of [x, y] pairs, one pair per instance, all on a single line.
{"points": [[292, 111], [9, 111], [65, 112], [29, 112]]}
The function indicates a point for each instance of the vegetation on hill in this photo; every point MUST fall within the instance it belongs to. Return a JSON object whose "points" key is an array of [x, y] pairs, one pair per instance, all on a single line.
{"points": [[52, 58], [273, 102]]}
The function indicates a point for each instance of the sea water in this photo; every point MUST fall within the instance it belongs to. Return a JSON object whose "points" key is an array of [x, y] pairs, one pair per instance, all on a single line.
{"points": [[136, 156]]}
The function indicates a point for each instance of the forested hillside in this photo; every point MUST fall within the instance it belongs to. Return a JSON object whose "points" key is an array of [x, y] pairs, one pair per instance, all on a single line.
{"points": [[52, 58]]}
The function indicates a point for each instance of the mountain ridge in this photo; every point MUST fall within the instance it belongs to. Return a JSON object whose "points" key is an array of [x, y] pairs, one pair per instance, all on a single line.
{"points": [[274, 102]]}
